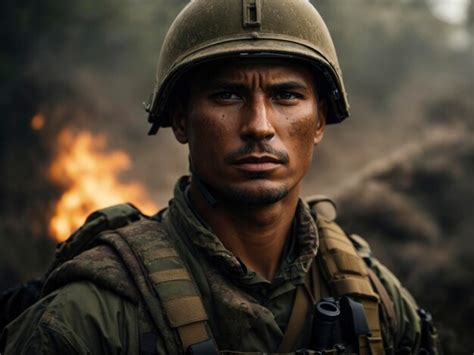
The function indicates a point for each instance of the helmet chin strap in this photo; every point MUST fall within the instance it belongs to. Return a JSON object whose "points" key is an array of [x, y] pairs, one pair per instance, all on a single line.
{"points": [[203, 187]]}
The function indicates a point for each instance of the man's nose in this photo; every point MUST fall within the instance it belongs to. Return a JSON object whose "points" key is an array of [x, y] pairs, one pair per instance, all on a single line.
{"points": [[257, 123]]}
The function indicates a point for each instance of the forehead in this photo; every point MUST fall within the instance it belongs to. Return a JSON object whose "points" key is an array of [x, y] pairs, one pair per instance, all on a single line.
{"points": [[241, 69]]}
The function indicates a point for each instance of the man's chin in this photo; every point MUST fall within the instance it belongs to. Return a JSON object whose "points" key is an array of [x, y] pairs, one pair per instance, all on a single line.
{"points": [[254, 196]]}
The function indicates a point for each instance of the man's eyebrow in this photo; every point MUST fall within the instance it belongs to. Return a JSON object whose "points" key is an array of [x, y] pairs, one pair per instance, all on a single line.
{"points": [[222, 84], [288, 85], [235, 86]]}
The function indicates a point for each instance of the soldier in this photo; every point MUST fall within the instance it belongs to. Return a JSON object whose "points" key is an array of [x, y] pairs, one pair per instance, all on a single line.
{"points": [[237, 263]]}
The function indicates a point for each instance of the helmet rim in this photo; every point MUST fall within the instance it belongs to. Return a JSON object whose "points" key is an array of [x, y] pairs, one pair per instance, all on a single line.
{"points": [[264, 46]]}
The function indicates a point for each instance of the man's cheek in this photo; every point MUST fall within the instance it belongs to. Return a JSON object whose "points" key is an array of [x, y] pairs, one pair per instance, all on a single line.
{"points": [[302, 130]]}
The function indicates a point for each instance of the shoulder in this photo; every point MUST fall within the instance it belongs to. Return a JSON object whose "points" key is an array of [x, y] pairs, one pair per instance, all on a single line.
{"points": [[99, 265], [79, 317], [407, 322], [399, 308], [89, 293], [97, 252]]}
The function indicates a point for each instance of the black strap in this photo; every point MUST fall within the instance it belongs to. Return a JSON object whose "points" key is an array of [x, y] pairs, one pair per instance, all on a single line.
{"points": [[148, 343], [203, 348]]}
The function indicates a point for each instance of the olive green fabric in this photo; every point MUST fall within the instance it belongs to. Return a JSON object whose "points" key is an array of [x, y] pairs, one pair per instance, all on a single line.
{"points": [[408, 322], [257, 309], [246, 312], [79, 318]]}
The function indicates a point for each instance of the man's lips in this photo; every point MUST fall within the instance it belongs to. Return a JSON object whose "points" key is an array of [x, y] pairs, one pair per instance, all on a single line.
{"points": [[257, 163], [258, 159]]}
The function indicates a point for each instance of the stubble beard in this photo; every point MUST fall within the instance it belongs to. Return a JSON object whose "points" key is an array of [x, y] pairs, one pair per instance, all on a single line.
{"points": [[253, 197], [250, 198]]}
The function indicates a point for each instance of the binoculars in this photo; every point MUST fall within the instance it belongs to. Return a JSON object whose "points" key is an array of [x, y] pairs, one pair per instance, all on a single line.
{"points": [[336, 324]]}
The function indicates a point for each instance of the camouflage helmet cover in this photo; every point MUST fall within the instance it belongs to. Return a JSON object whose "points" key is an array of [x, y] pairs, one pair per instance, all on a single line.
{"points": [[207, 30]]}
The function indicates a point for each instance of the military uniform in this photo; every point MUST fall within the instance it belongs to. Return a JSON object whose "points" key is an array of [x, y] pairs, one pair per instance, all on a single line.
{"points": [[91, 306]]}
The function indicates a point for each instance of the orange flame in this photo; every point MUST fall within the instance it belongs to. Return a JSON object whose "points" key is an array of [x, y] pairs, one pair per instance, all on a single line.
{"points": [[89, 176], [37, 122]]}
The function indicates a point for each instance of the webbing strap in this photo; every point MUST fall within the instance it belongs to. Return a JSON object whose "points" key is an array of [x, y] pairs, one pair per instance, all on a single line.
{"points": [[387, 302], [192, 334], [297, 320], [148, 343], [178, 294], [351, 285], [169, 275], [173, 294], [346, 274], [374, 342], [185, 310], [159, 253], [307, 295], [120, 245]]}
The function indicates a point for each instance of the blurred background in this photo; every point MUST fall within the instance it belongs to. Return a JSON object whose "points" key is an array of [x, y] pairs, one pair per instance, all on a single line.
{"points": [[73, 134]]}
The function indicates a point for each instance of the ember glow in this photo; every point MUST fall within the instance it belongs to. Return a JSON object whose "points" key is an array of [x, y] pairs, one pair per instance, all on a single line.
{"points": [[37, 122], [89, 176]]}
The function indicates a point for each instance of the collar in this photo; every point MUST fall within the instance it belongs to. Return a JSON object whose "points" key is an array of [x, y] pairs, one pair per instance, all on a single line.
{"points": [[301, 249]]}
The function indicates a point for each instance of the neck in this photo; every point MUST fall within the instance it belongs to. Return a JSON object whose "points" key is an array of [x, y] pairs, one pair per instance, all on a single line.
{"points": [[254, 234]]}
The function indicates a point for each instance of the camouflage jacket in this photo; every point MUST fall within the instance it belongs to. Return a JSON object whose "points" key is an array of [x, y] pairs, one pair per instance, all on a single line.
{"points": [[90, 306]]}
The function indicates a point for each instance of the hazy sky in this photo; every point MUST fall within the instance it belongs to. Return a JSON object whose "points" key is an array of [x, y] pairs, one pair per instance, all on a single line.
{"points": [[451, 11]]}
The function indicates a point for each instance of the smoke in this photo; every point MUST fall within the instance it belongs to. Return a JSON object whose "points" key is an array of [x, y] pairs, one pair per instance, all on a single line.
{"points": [[400, 166], [414, 208]]}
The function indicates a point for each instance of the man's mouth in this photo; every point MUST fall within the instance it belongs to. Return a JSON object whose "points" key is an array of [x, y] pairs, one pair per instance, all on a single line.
{"points": [[257, 163]]}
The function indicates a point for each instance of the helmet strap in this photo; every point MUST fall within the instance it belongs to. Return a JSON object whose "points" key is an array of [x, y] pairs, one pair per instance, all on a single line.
{"points": [[203, 187]]}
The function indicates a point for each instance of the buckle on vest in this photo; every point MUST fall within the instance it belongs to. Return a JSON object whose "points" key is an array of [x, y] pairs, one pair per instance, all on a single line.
{"points": [[206, 347]]}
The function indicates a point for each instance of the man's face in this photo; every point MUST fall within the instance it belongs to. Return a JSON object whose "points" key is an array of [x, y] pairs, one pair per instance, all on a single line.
{"points": [[251, 127]]}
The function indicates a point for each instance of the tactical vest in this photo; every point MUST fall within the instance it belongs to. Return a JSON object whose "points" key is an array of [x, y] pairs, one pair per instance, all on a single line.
{"points": [[169, 301]]}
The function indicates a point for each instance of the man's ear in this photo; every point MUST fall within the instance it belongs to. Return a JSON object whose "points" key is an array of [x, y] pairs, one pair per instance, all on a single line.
{"points": [[321, 121], [179, 124]]}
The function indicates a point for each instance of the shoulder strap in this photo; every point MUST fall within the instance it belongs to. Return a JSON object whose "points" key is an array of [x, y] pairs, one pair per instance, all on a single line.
{"points": [[165, 284], [346, 274], [298, 318], [388, 308], [122, 250]]}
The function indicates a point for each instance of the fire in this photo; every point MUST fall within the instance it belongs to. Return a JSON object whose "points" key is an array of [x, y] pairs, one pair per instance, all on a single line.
{"points": [[38, 121], [89, 176]]}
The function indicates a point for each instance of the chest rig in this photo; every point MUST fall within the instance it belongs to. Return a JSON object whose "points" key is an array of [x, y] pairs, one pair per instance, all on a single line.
{"points": [[170, 303]]}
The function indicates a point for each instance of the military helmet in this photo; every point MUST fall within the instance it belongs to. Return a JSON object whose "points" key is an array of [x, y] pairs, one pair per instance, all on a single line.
{"points": [[207, 30]]}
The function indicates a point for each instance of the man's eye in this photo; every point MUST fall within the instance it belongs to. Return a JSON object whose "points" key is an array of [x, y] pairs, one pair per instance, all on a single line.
{"points": [[225, 96], [287, 96]]}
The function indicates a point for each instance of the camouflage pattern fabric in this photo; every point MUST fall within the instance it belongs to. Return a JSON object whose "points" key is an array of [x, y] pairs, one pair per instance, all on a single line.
{"points": [[90, 304]]}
